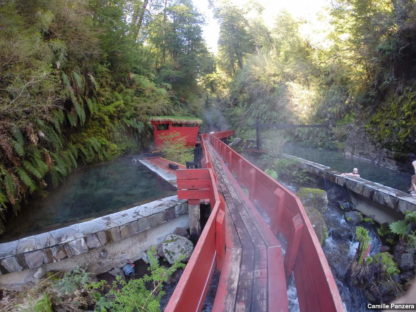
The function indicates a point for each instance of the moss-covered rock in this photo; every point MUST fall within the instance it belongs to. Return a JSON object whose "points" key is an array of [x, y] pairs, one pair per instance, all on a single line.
{"points": [[315, 202], [314, 198]]}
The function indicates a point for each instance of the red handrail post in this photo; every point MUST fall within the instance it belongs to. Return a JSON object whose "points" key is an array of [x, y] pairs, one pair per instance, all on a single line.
{"points": [[293, 248]]}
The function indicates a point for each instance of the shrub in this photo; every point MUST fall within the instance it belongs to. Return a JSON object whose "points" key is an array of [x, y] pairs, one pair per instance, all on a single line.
{"points": [[141, 295], [174, 148], [291, 171]]}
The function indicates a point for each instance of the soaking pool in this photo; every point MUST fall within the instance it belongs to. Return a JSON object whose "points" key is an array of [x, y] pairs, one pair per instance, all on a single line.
{"points": [[89, 192]]}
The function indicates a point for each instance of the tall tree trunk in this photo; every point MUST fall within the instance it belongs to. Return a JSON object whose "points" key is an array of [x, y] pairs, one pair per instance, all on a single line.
{"points": [[164, 33], [138, 17]]}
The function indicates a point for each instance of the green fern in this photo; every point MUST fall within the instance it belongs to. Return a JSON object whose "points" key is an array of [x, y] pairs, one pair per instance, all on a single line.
{"points": [[25, 178], [32, 170], [66, 81], [399, 227], [79, 80], [18, 142], [94, 82], [11, 189], [72, 118], [39, 163], [92, 105], [55, 177], [60, 165]]}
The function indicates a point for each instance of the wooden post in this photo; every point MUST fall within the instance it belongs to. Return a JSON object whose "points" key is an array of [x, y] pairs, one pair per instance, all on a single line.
{"points": [[292, 252], [194, 212]]}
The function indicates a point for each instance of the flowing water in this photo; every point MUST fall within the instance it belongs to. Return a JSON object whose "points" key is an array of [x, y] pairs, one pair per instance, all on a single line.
{"points": [[338, 161], [87, 193]]}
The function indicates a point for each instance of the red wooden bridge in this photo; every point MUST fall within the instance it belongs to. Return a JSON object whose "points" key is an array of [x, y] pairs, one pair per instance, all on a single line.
{"points": [[256, 237]]}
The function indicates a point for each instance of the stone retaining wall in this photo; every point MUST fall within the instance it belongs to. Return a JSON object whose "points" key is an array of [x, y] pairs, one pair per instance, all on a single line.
{"points": [[35, 251], [396, 201]]}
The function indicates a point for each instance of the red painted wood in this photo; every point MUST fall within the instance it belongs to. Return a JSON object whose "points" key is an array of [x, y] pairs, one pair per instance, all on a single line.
{"points": [[193, 174], [320, 287], [293, 247], [193, 184], [190, 134], [316, 287]]}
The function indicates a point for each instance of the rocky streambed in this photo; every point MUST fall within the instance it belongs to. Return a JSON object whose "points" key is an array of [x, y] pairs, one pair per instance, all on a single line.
{"points": [[369, 262]]}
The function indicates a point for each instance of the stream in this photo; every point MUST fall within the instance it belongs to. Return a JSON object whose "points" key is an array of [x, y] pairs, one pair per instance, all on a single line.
{"points": [[88, 192], [340, 249]]}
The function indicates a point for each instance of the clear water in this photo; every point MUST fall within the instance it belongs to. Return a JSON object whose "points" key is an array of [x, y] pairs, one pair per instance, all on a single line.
{"points": [[89, 193], [337, 161]]}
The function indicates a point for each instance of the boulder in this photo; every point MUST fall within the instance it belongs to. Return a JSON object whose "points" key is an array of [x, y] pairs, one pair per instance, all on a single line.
{"points": [[353, 217], [313, 198], [315, 203], [337, 194], [407, 262], [174, 247], [345, 205]]}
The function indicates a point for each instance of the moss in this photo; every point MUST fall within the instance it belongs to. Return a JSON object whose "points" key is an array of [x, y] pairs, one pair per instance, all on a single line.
{"points": [[319, 224], [181, 119], [389, 265], [313, 197]]}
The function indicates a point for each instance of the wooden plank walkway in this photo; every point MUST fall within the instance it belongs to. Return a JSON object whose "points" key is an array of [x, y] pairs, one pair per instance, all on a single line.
{"points": [[259, 252]]}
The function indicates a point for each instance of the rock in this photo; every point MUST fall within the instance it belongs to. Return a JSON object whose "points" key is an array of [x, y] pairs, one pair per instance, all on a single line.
{"points": [[337, 254], [11, 264], [353, 217], [92, 241], [315, 203], [175, 246], [313, 198], [157, 253], [407, 262], [35, 259], [341, 232], [345, 205], [39, 273], [8, 249], [58, 253], [337, 194], [181, 232], [76, 247], [406, 276]]}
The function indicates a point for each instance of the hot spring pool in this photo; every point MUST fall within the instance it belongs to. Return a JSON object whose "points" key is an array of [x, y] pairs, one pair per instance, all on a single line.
{"points": [[89, 192]]}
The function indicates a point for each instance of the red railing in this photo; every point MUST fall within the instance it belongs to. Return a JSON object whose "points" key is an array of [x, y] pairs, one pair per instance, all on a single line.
{"points": [[285, 215], [189, 294], [316, 287]]}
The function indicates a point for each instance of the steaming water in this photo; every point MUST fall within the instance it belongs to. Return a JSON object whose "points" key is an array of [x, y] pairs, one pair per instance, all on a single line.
{"points": [[89, 193], [337, 161]]}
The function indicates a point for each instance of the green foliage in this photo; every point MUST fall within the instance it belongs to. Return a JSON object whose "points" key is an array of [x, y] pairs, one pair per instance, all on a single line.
{"points": [[362, 236], [142, 294], [291, 171], [76, 87], [399, 227], [174, 148], [44, 304], [386, 259], [76, 279], [405, 228], [271, 173]]}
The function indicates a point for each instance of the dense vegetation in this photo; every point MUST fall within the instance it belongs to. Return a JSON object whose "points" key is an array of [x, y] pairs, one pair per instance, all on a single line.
{"points": [[359, 78], [78, 79]]}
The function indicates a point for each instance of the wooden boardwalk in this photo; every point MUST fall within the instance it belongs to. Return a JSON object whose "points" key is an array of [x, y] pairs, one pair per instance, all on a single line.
{"points": [[249, 211]]}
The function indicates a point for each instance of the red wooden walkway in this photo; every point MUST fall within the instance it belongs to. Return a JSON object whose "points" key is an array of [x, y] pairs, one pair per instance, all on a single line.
{"points": [[249, 211]]}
